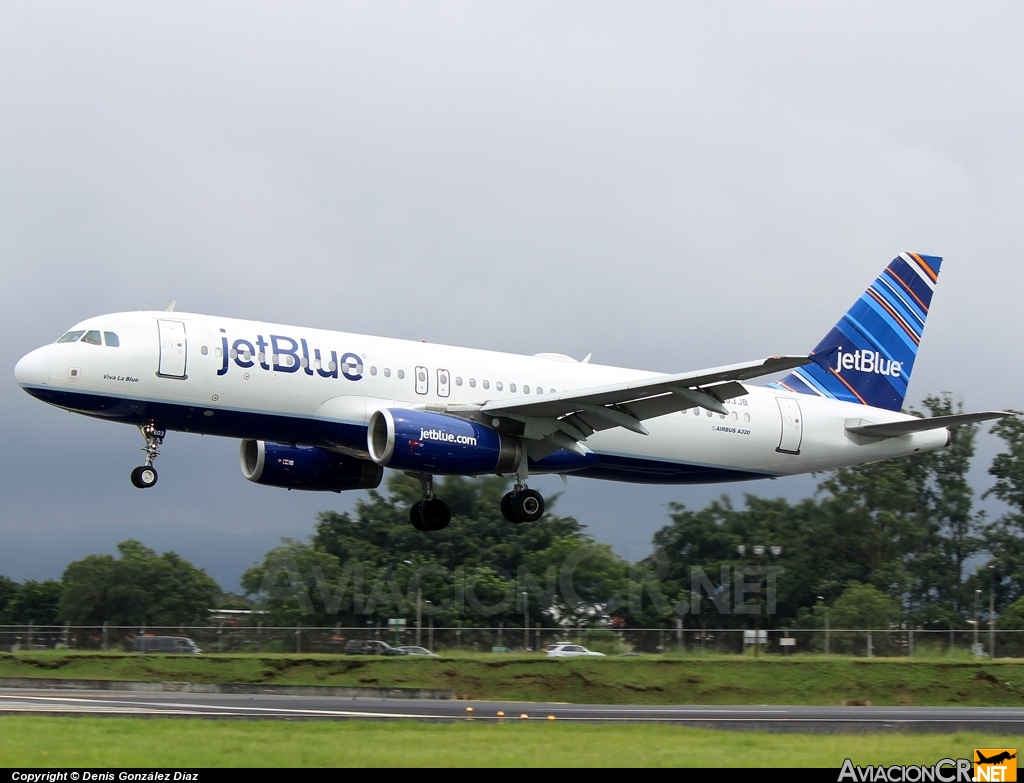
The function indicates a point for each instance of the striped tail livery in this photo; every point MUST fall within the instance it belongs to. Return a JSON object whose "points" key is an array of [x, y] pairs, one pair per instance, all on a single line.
{"points": [[868, 356]]}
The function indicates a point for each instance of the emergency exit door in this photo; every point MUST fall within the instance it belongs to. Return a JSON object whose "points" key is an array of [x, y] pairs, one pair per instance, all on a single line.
{"points": [[792, 425], [173, 349]]}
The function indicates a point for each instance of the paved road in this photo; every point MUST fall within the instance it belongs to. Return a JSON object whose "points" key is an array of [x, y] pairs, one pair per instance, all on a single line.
{"points": [[762, 718]]}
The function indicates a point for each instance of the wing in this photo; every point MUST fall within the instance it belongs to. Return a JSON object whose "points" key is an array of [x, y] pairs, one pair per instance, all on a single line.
{"points": [[562, 420]]}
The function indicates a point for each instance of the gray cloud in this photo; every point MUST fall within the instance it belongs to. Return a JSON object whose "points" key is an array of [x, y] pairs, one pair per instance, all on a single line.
{"points": [[667, 185]]}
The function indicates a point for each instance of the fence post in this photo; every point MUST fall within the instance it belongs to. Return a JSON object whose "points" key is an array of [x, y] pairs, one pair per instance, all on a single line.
{"points": [[220, 638], [29, 634], [951, 641], [661, 640], [458, 634], [105, 645], [298, 637], [501, 627], [259, 634], [431, 637], [870, 648], [910, 643], [679, 633], [538, 638], [827, 630]]}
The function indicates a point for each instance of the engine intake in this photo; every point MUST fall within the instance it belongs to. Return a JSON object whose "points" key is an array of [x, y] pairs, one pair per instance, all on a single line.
{"points": [[306, 467], [439, 444]]}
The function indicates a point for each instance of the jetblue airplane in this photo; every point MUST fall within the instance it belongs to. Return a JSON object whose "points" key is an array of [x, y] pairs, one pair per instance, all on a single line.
{"points": [[321, 410]]}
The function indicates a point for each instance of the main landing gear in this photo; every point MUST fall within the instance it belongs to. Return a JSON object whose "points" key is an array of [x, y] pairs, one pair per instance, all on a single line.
{"points": [[430, 513], [145, 476], [522, 504]]}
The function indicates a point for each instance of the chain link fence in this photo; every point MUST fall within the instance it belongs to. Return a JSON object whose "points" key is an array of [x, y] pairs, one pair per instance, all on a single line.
{"points": [[232, 638]]}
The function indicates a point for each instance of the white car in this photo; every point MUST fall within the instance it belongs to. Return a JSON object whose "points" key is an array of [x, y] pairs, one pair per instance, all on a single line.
{"points": [[413, 650], [571, 651]]}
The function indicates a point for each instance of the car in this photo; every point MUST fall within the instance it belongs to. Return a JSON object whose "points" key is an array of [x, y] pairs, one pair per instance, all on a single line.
{"points": [[571, 651], [371, 647], [410, 649], [165, 644]]}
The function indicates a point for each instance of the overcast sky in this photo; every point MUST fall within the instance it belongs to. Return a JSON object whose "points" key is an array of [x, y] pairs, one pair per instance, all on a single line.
{"points": [[667, 185]]}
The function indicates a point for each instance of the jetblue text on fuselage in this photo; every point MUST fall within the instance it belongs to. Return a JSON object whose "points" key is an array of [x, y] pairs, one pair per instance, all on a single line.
{"points": [[868, 361], [281, 353]]}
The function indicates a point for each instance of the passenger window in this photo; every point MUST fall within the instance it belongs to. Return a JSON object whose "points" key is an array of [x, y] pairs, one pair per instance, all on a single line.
{"points": [[472, 383], [734, 415], [71, 337], [511, 387], [92, 337], [551, 391], [113, 342], [526, 390], [487, 384], [498, 386], [219, 353], [746, 417], [401, 374], [373, 371], [387, 372], [458, 381], [709, 413], [204, 350]]}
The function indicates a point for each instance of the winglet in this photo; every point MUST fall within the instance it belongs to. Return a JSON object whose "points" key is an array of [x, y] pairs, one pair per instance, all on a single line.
{"points": [[170, 307]]}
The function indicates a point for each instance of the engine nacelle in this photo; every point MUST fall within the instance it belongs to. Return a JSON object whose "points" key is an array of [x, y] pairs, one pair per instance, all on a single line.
{"points": [[439, 444], [306, 467]]}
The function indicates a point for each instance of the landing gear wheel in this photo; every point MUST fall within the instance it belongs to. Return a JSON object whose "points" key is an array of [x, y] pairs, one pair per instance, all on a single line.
{"points": [[144, 477], [506, 509], [528, 505], [436, 514], [416, 516]]}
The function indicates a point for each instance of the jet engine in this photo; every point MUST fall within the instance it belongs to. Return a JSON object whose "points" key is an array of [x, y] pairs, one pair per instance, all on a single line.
{"points": [[438, 444], [306, 467]]}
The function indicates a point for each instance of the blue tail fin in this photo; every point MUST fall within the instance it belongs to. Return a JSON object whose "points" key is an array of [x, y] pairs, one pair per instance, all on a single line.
{"points": [[869, 355]]}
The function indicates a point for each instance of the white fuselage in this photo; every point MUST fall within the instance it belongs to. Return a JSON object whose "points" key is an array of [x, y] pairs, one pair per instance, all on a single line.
{"points": [[248, 379]]}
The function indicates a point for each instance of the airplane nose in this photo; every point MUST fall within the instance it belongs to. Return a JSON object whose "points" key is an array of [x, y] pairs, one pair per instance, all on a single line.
{"points": [[33, 369]]}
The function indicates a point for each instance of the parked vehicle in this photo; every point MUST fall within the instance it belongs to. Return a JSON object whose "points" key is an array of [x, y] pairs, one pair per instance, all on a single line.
{"points": [[571, 651], [172, 645], [371, 647]]}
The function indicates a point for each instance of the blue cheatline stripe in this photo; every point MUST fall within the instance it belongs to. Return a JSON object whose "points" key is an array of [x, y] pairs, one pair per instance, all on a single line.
{"points": [[872, 338], [912, 277], [809, 379]]}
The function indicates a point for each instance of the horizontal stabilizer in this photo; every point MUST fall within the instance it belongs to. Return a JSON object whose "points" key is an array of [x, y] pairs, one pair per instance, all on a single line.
{"points": [[897, 428]]}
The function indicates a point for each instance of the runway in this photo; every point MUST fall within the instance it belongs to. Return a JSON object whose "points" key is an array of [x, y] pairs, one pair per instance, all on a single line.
{"points": [[275, 707]]}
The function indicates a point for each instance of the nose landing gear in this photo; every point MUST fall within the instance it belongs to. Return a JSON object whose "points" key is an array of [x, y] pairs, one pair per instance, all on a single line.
{"points": [[145, 476], [430, 513]]}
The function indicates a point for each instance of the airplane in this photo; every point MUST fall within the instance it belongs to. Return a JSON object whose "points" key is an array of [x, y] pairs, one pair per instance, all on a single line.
{"points": [[329, 411], [996, 759]]}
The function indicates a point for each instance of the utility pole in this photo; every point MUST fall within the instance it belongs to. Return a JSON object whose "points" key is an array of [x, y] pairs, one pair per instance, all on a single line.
{"points": [[992, 613]]}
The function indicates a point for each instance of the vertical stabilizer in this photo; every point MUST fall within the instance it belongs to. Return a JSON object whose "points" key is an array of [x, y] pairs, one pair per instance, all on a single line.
{"points": [[868, 356]]}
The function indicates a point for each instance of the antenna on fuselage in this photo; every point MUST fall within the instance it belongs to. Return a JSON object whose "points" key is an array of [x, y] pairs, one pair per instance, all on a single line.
{"points": [[586, 359], [170, 307]]}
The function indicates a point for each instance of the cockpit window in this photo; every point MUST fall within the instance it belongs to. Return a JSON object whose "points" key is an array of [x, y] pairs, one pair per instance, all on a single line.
{"points": [[111, 339], [92, 337], [71, 337]]}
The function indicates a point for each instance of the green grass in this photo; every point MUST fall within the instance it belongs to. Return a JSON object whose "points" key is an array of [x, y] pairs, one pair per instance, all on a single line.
{"points": [[40, 741], [807, 680]]}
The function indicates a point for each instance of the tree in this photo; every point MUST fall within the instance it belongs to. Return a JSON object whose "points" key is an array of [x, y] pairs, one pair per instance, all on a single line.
{"points": [[1004, 538], [37, 603], [8, 589], [138, 588]]}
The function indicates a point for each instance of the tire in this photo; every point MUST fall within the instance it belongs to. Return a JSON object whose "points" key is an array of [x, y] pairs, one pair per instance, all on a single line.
{"points": [[144, 477], [416, 516], [436, 514], [506, 510], [528, 505]]}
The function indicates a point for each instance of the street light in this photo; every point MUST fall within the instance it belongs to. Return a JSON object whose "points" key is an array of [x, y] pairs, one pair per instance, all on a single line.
{"points": [[419, 608], [526, 622], [759, 551], [977, 595]]}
